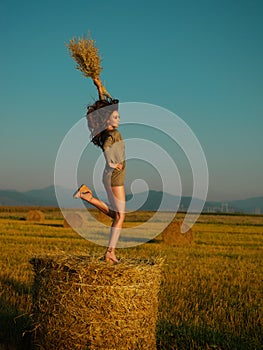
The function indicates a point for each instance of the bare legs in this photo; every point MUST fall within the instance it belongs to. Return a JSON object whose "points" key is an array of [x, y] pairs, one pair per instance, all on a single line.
{"points": [[116, 196], [97, 203]]}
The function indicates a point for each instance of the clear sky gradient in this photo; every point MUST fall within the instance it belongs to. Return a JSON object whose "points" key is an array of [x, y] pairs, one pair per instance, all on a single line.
{"points": [[199, 59]]}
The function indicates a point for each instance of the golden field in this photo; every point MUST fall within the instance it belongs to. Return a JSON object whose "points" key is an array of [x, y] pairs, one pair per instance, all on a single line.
{"points": [[211, 293]]}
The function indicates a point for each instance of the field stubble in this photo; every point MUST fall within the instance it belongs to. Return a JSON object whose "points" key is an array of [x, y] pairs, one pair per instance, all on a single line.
{"points": [[211, 293]]}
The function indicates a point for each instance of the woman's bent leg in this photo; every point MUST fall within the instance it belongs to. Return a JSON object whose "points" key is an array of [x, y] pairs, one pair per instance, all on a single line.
{"points": [[99, 204]]}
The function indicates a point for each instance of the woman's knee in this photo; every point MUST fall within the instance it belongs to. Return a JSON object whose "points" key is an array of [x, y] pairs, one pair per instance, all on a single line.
{"points": [[119, 216]]}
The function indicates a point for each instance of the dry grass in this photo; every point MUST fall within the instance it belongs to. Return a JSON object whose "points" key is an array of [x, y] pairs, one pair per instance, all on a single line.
{"points": [[210, 296], [86, 55], [106, 220], [73, 219]]}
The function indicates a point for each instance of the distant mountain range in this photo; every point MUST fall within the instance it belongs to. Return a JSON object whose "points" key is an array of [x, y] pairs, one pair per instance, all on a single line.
{"points": [[141, 201]]}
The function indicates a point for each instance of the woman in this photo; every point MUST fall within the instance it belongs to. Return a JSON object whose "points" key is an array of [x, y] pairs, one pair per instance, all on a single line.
{"points": [[103, 121]]}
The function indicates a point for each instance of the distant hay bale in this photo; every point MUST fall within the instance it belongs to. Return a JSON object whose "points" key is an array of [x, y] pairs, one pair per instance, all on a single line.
{"points": [[84, 303], [35, 215], [73, 220], [172, 234]]}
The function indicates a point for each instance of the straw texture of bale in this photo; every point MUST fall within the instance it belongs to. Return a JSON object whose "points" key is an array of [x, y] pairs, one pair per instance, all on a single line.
{"points": [[172, 235], [73, 219], [84, 303], [35, 215]]}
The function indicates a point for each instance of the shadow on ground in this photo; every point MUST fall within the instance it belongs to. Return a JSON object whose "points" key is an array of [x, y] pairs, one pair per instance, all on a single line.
{"points": [[15, 326]]}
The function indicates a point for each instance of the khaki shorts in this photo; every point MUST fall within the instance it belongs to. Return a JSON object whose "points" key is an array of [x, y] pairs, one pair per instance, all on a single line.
{"points": [[113, 177]]}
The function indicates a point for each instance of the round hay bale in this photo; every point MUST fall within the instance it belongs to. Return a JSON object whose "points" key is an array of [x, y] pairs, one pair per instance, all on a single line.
{"points": [[84, 303], [35, 215], [73, 220], [172, 234]]}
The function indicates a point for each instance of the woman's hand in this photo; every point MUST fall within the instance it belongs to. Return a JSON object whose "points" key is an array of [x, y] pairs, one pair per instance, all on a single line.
{"points": [[118, 166]]}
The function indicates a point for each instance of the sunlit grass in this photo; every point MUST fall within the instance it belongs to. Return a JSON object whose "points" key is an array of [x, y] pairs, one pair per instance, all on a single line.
{"points": [[211, 294]]}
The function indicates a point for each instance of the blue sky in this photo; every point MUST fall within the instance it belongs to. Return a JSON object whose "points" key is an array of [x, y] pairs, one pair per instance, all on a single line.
{"points": [[199, 59]]}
